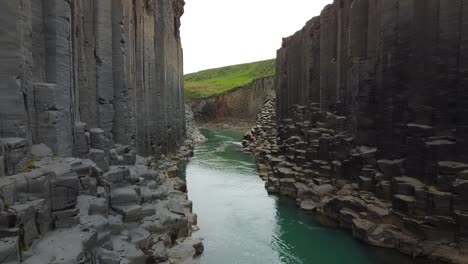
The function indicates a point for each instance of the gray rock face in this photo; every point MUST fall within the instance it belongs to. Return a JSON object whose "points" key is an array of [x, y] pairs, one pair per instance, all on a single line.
{"points": [[86, 86], [371, 98], [69, 66]]}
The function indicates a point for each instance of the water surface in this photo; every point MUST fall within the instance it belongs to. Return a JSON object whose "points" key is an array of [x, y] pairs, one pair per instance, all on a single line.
{"points": [[241, 223]]}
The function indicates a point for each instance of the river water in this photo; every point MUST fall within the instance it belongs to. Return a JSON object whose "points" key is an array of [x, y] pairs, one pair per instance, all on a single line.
{"points": [[241, 223]]}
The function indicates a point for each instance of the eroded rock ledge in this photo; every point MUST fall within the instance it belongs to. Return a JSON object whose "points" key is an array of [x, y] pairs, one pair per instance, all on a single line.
{"points": [[370, 124]]}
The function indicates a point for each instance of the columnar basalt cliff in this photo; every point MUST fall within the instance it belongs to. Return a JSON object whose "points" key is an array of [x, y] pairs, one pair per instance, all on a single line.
{"points": [[372, 123], [239, 104], [88, 88], [69, 67]]}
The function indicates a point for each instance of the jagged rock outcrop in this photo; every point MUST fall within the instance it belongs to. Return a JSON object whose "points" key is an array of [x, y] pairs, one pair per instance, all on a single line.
{"points": [[239, 104], [371, 123]]}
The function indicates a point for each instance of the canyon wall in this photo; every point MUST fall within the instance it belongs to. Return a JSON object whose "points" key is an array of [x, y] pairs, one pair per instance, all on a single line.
{"points": [[71, 69], [241, 103], [88, 89], [384, 64], [372, 123]]}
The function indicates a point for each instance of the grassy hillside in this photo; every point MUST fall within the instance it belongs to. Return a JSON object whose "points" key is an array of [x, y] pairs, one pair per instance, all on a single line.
{"points": [[215, 81]]}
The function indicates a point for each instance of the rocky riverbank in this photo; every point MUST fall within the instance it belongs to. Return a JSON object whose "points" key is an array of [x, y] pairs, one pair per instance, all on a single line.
{"points": [[115, 207], [78, 111], [370, 197], [70, 210]]}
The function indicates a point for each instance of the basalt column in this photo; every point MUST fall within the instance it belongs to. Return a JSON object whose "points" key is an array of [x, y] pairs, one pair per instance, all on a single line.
{"points": [[104, 66], [58, 118], [82, 75], [124, 78], [298, 68], [15, 87], [391, 117], [328, 58]]}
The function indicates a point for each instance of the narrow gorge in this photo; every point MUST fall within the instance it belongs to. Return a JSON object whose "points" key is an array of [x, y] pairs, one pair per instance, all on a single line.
{"points": [[350, 147]]}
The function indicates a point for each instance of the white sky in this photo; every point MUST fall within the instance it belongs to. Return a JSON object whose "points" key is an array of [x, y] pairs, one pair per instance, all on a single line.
{"points": [[218, 33]]}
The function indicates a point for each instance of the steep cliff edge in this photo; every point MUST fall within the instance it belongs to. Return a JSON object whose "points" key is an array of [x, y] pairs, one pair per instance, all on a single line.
{"points": [[236, 107], [371, 123], [88, 88]]}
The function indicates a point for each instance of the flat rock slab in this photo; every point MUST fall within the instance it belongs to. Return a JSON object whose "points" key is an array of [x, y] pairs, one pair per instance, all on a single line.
{"points": [[308, 205], [63, 246], [9, 250]]}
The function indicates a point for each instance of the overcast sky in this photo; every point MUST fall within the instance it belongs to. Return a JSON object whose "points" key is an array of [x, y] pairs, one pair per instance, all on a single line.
{"points": [[218, 33]]}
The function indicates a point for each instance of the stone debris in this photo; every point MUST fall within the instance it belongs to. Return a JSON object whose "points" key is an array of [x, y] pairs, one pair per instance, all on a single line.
{"points": [[349, 187], [192, 130], [67, 210]]}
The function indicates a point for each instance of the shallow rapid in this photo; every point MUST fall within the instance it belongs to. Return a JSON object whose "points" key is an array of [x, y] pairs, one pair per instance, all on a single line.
{"points": [[241, 223]]}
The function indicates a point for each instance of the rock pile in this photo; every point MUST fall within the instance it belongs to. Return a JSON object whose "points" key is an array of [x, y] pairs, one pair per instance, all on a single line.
{"points": [[313, 159], [193, 133], [128, 209]]}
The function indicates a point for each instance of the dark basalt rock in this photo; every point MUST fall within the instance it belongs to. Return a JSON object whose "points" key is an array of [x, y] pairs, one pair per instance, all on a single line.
{"points": [[86, 86], [371, 97]]}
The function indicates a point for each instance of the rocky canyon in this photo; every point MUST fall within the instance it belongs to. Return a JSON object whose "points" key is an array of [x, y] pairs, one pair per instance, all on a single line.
{"points": [[364, 127], [369, 125]]}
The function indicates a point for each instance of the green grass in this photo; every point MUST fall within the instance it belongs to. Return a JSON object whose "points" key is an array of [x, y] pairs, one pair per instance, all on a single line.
{"points": [[216, 81]]}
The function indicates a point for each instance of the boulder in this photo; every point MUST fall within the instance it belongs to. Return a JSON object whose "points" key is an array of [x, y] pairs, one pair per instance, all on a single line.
{"points": [[79, 242], [130, 213], [391, 168], [117, 176], [308, 205], [362, 228], [99, 157], [64, 192], [451, 167], [124, 196], [26, 216], [128, 252], [139, 237], [185, 251], [41, 151], [108, 257]]}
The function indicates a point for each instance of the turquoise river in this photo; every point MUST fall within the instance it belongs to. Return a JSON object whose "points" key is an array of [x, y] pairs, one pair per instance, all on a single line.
{"points": [[241, 223]]}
